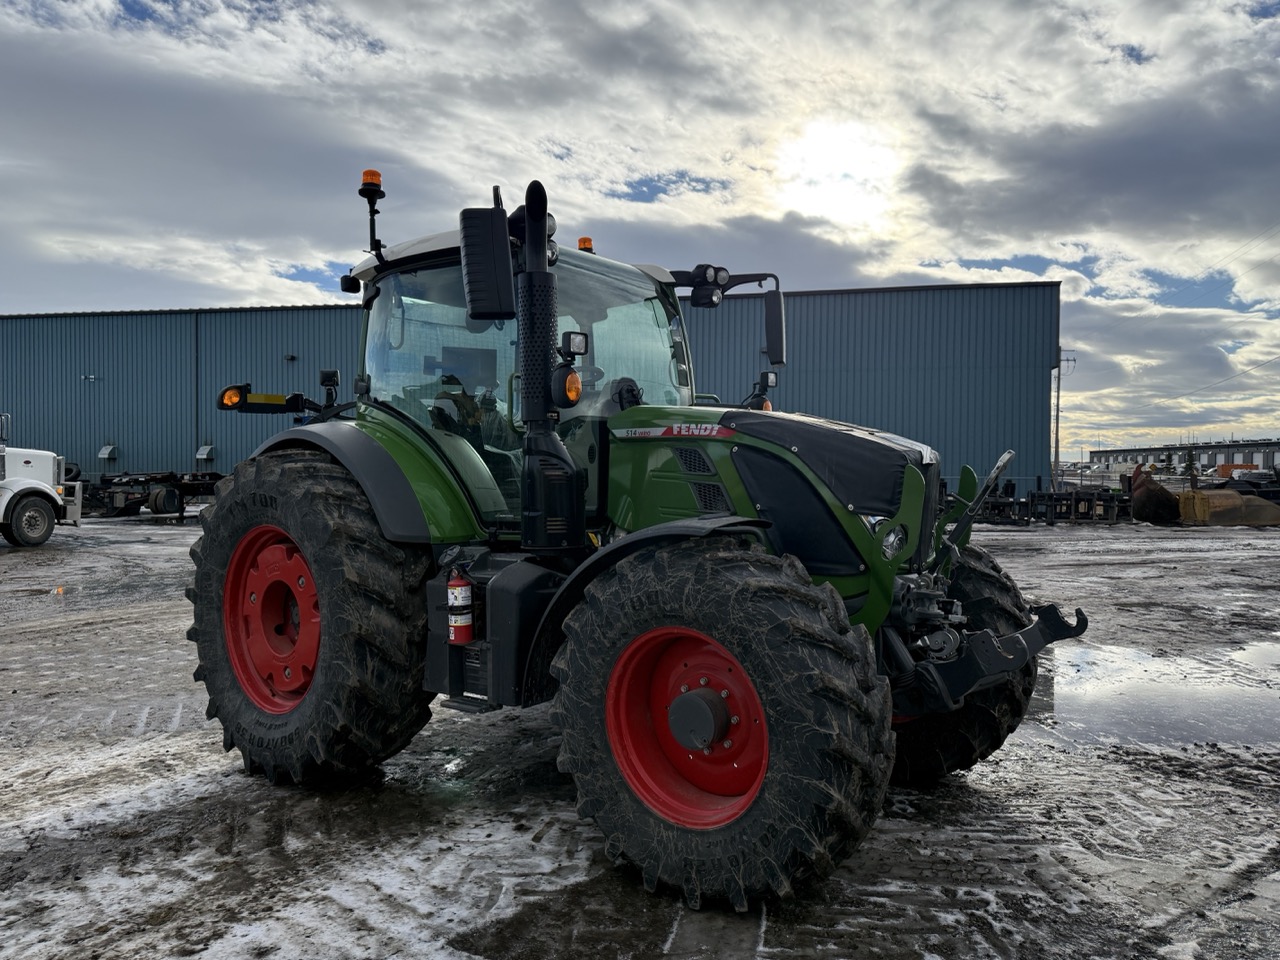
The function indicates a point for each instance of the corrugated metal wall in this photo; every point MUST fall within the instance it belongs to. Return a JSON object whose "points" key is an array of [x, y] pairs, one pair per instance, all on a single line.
{"points": [[966, 369], [146, 382]]}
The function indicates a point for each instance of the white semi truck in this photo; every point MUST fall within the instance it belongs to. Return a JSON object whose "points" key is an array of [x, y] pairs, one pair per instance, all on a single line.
{"points": [[34, 492]]}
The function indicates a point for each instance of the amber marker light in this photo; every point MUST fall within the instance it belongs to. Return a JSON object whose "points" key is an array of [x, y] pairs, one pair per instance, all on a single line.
{"points": [[566, 386], [231, 398], [585, 245]]}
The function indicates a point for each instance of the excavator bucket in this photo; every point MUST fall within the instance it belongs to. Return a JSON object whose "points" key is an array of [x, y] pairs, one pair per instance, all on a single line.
{"points": [[1227, 508]]}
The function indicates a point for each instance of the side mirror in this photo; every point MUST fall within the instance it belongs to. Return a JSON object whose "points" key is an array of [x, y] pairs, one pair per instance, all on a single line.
{"points": [[775, 328], [487, 277], [349, 284]]}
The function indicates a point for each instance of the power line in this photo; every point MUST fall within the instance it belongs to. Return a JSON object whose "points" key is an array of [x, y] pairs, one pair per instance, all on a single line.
{"points": [[1231, 280], [1238, 252], [1152, 311], [1208, 385]]}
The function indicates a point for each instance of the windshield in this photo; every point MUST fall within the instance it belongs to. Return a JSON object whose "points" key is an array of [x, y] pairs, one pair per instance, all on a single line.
{"points": [[420, 344]]}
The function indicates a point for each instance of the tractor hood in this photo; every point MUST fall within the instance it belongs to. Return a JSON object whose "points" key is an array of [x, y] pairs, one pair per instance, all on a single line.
{"points": [[861, 466]]}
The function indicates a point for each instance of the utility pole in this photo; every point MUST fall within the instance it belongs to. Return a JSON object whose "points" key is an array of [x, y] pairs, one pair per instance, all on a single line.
{"points": [[1057, 419]]}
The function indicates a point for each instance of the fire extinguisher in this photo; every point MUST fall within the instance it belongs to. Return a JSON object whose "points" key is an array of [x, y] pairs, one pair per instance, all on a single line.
{"points": [[459, 607]]}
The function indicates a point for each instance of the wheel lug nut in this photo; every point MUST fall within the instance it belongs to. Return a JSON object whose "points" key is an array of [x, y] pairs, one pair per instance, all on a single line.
{"points": [[288, 674], [253, 598], [724, 694], [703, 681], [728, 744], [706, 751], [302, 582], [733, 720], [684, 688]]}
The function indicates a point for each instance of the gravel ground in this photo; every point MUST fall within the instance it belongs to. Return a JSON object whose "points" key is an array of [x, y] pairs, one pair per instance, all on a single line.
{"points": [[1132, 815]]}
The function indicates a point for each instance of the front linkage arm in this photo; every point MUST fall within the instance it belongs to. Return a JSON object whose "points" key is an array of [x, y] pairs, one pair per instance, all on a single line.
{"points": [[940, 686]]}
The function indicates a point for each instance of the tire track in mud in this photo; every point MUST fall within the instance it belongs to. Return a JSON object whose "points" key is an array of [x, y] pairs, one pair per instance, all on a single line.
{"points": [[113, 674], [209, 860], [1080, 864], [1048, 851], [37, 793], [1240, 922]]}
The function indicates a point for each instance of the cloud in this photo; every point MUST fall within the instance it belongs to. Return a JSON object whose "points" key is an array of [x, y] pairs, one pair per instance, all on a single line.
{"points": [[207, 152]]}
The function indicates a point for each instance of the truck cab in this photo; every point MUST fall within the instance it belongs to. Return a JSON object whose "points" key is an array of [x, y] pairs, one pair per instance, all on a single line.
{"points": [[35, 492]]}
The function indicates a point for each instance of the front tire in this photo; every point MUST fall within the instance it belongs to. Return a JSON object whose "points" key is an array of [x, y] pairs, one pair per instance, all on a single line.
{"points": [[725, 726], [310, 626], [30, 524], [932, 746]]}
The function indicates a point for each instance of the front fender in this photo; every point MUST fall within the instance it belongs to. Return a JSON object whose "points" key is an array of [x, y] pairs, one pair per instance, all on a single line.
{"points": [[11, 491]]}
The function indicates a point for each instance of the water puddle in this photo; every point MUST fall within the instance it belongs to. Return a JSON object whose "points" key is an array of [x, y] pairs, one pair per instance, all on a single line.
{"points": [[1099, 693]]}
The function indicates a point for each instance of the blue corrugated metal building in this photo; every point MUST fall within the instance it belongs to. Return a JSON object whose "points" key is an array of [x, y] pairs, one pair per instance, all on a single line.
{"points": [[965, 369], [144, 384]]}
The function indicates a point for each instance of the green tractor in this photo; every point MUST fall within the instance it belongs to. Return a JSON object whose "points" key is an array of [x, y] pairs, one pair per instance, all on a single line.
{"points": [[748, 623]]}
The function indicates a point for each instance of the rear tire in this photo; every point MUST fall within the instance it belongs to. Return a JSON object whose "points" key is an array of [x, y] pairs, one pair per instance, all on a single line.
{"points": [[30, 524], [930, 747], [164, 500], [310, 626], [782, 794]]}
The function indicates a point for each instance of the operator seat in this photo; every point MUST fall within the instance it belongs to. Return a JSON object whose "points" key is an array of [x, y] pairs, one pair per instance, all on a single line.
{"points": [[624, 393], [456, 411]]}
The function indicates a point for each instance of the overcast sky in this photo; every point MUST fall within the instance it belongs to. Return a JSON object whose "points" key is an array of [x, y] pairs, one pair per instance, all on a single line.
{"points": [[207, 153]]}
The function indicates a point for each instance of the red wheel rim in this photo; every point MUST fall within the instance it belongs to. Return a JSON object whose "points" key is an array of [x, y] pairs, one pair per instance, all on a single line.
{"points": [[271, 619], [689, 787]]}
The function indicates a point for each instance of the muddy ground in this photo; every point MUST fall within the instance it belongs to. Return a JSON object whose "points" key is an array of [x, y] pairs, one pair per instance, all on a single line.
{"points": [[1133, 815]]}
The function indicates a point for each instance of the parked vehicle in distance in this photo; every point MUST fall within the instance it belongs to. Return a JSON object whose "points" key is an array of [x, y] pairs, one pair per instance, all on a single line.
{"points": [[38, 489]]}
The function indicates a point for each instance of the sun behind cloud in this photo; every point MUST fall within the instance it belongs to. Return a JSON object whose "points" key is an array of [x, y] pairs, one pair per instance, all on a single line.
{"points": [[842, 171]]}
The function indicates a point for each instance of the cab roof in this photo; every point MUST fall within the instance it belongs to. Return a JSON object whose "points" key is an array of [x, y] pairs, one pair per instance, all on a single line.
{"points": [[366, 268], [449, 240]]}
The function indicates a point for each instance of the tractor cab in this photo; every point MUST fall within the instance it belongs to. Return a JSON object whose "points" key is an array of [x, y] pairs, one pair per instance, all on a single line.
{"points": [[458, 377]]}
